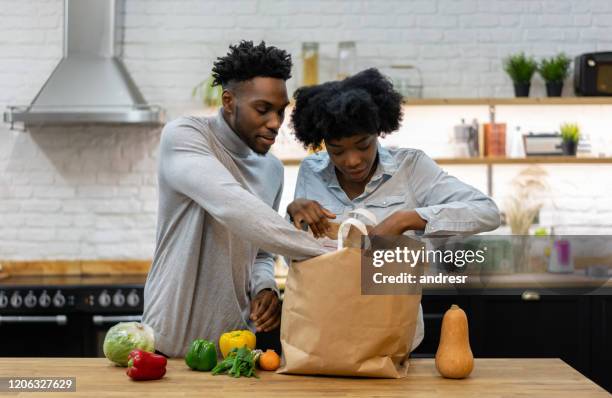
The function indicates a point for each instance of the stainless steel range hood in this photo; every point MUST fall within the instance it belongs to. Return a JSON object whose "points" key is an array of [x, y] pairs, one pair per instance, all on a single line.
{"points": [[90, 84]]}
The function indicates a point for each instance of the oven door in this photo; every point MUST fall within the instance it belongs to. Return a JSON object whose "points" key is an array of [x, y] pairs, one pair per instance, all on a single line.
{"points": [[100, 325], [57, 335]]}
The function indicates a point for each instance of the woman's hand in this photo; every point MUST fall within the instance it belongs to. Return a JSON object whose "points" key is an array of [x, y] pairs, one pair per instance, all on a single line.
{"points": [[398, 223], [312, 213]]}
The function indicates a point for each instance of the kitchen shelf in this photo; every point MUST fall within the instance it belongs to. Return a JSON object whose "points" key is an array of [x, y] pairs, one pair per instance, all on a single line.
{"points": [[483, 101], [489, 162], [503, 160], [510, 101]]}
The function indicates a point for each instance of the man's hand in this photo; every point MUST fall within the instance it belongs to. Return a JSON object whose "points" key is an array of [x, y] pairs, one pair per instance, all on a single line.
{"points": [[312, 213], [398, 223], [266, 311]]}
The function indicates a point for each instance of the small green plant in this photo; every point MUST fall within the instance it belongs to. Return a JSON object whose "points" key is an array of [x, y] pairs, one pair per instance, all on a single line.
{"points": [[554, 69], [209, 95], [520, 68], [570, 132]]}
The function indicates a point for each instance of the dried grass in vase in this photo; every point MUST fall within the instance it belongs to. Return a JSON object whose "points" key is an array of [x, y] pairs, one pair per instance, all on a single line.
{"points": [[525, 201]]}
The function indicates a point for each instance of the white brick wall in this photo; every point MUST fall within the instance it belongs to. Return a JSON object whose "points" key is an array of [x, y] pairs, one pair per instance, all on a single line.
{"points": [[78, 192], [90, 192]]}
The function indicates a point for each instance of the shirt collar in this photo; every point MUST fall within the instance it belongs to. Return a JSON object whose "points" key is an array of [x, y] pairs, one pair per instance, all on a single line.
{"points": [[386, 163], [228, 137]]}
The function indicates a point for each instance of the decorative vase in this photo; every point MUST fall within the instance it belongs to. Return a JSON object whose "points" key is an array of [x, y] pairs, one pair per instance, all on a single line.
{"points": [[521, 89], [521, 249], [554, 89], [569, 147]]}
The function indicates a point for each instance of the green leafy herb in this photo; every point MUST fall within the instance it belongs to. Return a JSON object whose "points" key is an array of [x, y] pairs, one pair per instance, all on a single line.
{"points": [[239, 362]]}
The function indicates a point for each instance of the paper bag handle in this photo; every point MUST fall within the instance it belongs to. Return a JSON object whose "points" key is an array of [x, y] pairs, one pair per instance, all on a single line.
{"points": [[344, 229]]}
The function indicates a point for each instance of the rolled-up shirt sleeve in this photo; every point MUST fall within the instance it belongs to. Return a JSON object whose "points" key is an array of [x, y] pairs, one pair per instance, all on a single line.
{"points": [[448, 205]]}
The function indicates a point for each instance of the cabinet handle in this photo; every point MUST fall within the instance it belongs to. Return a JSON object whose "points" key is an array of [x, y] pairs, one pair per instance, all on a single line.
{"points": [[530, 295]]}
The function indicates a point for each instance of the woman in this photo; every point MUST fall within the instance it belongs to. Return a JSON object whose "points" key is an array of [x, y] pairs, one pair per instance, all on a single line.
{"points": [[403, 187]]}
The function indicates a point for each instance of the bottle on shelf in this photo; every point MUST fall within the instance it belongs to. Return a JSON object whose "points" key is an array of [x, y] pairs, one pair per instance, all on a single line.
{"points": [[516, 149], [494, 136]]}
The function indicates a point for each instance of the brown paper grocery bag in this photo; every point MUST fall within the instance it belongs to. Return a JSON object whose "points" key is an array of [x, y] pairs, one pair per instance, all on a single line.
{"points": [[329, 328]]}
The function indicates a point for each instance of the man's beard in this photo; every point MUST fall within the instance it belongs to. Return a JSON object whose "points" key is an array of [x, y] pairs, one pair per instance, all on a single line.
{"points": [[246, 138]]}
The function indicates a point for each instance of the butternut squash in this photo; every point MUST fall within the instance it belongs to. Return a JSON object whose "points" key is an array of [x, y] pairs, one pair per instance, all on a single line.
{"points": [[454, 357]]}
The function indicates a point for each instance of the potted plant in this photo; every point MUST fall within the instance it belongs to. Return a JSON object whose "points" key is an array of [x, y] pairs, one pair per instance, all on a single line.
{"points": [[520, 68], [209, 95], [570, 135], [554, 71]]}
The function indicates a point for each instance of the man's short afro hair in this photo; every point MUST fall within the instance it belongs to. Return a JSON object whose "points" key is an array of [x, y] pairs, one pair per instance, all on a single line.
{"points": [[245, 61], [363, 103]]}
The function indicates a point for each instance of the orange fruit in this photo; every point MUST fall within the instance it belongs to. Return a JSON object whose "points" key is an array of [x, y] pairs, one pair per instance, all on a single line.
{"points": [[269, 360]]}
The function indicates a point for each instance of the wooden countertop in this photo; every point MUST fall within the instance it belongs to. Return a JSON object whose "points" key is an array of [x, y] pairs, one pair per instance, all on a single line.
{"points": [[72, 280], [74, 267], [96, 377]]}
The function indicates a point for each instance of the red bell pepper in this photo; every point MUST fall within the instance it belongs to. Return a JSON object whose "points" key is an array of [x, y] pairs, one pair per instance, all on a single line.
{"points": [[143, 365]]}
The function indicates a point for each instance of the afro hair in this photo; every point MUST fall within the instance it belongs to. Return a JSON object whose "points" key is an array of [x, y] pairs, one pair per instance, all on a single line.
{"points": [[363, 103], [245, 61]]}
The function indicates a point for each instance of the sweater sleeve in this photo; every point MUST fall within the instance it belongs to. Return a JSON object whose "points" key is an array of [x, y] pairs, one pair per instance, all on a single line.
{"points": [[262, 276], [189, 167]]}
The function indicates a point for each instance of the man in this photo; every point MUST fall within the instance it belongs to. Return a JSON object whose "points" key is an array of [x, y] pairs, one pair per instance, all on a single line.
{"points": [[212, 270]]}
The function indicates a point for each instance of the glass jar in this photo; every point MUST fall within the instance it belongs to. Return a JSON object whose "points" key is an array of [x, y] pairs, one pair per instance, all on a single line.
{"points": [[310, 62], [347, 59], [407, 80]]}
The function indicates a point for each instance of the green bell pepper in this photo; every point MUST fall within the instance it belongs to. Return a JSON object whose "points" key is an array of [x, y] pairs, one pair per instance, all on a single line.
{"points": [[202, 355]]}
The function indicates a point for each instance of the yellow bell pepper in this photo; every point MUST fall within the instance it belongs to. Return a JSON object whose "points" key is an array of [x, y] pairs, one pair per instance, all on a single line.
{"points": [[236, 339]]}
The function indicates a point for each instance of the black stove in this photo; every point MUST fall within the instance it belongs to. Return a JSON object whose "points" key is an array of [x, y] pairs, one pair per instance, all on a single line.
{"points": [[65, 315]]}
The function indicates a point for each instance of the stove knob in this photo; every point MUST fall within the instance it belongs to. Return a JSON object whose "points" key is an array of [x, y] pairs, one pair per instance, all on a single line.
{"points": [[16, 300], [44, 300], [133, 299], [118, 299], [104, 299], [59, 300], [4, 300], [30, 300]]}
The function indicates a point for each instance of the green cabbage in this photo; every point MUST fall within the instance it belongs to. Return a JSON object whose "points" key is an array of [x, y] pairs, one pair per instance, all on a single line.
{"points": [[124, 337]]}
